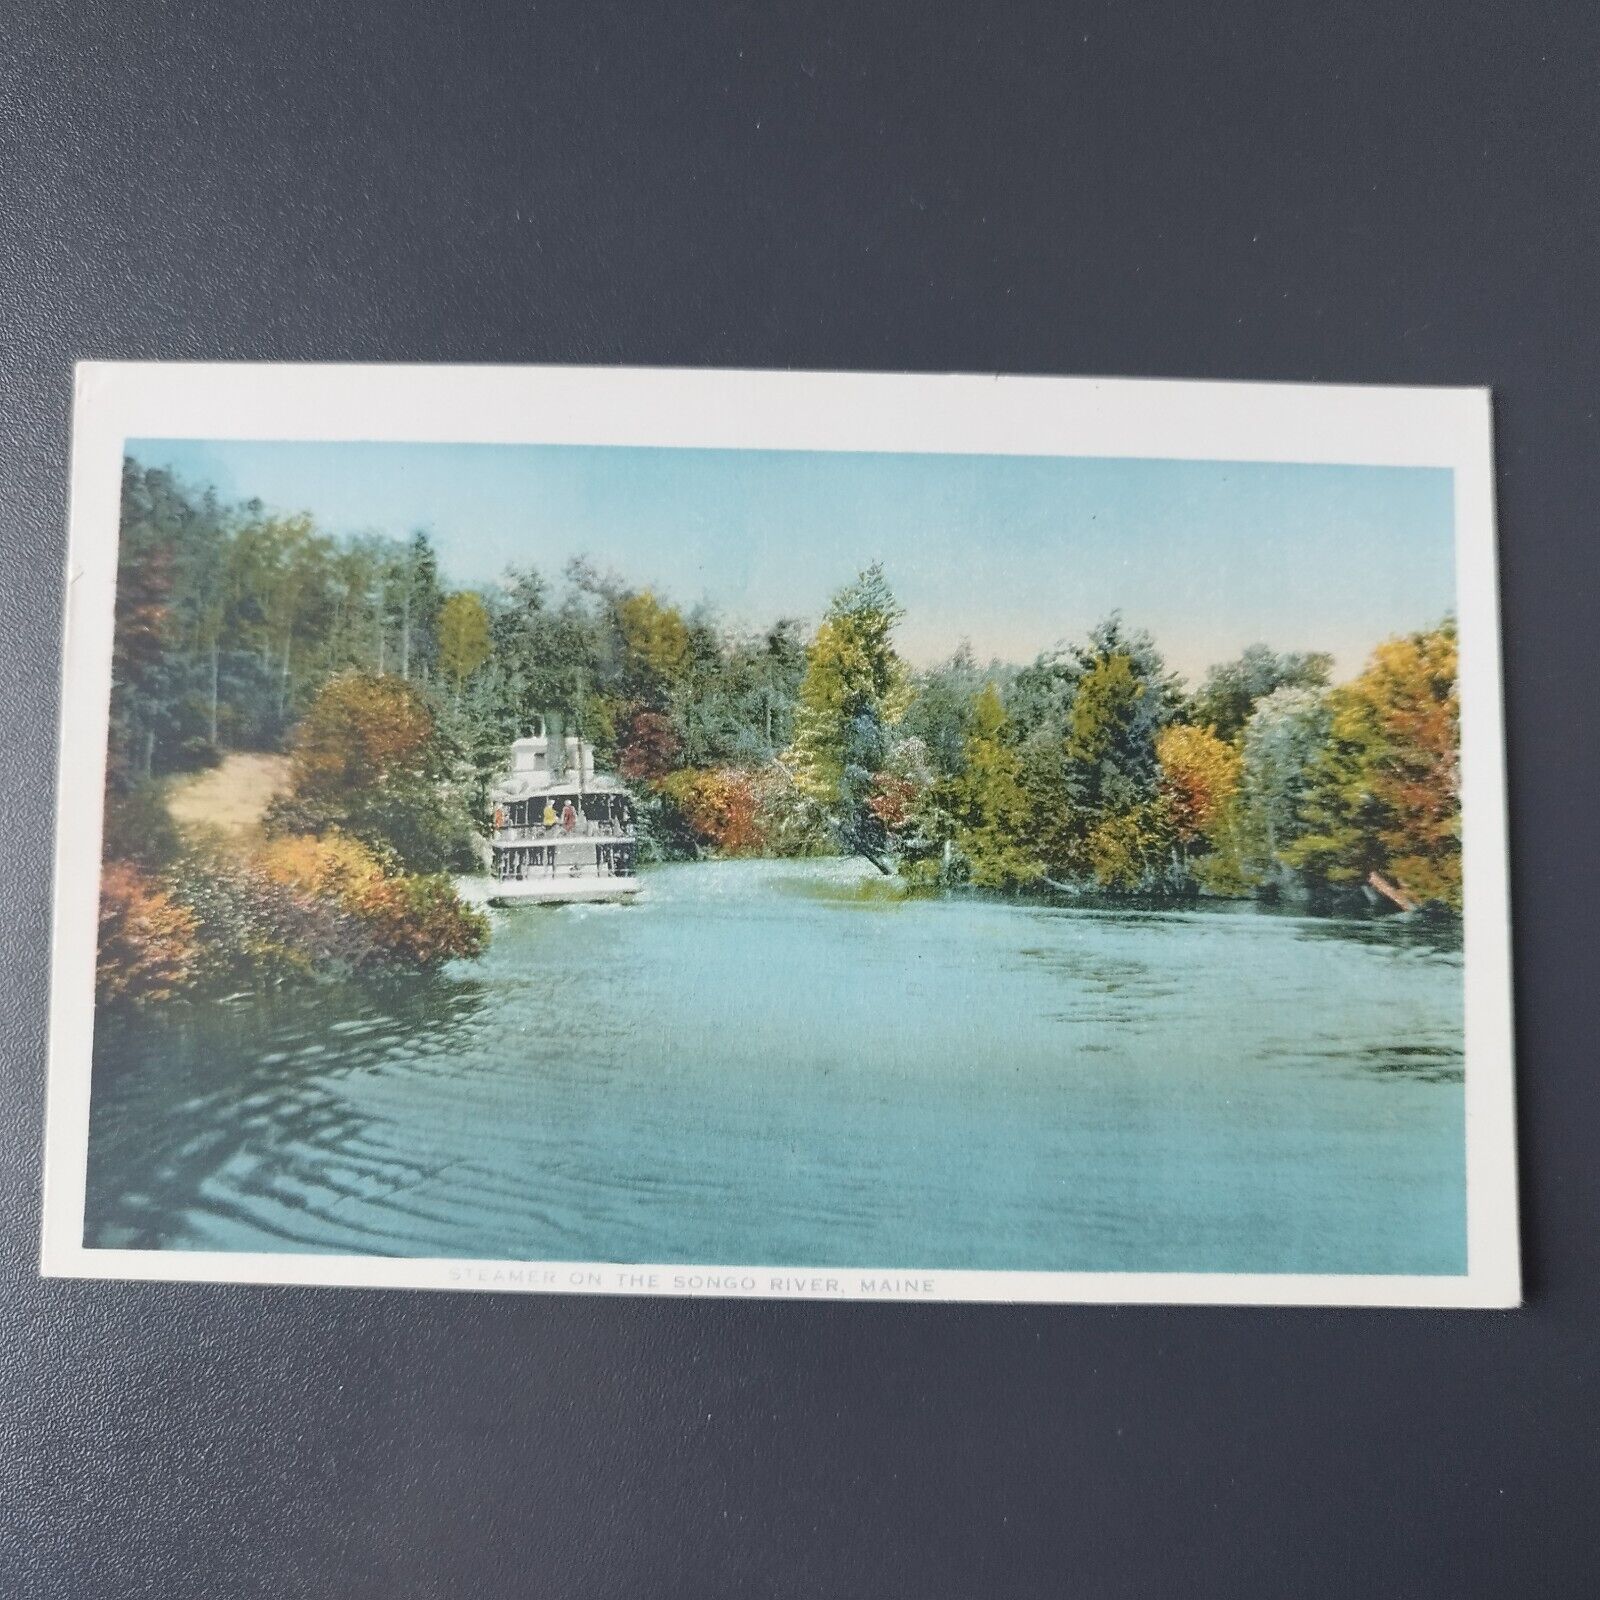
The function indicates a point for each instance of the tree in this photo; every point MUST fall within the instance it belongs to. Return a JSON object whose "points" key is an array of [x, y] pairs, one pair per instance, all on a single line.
{"points": [[362, 731], [1384, 792], [987, 802], [1199, 778], [1124, 849], [1106, 727], [656, 646], [370, 760], [941, 702], [1413, 682], [147, 948], [421, 600], [1231, 691], [1280, 741], [145, 584], [464, 643], [647, 745], [1111, 774], [1089, 757], [853, 691]]}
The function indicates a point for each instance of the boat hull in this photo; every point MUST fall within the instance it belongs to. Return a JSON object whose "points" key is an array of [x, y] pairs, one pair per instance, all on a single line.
{"points": [[559, 891]]}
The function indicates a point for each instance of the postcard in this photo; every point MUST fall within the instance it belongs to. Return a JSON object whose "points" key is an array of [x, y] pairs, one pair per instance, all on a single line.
{"points": [[782, 834]]}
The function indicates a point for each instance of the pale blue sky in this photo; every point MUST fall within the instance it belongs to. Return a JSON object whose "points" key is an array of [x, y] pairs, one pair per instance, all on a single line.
{"points": [[1014, 553]]}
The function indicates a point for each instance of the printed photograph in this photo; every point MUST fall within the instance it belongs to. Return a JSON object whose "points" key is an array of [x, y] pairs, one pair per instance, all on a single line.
{"points": [[902, 861]]}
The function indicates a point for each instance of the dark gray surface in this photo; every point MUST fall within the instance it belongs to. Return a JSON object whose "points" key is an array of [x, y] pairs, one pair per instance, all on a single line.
{"points": [[1405, 194]]}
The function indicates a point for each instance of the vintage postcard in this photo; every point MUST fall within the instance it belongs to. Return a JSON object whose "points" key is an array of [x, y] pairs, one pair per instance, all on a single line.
{"points": [[780, 834]]}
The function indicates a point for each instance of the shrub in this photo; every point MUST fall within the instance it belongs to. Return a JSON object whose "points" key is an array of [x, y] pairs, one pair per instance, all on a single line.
{"points": [[138, 827], [148, 947], [420, 922], [721, 806], [197, 755], [259, 929], [421, 827], [406, 921], [369, 761], [661, 829], [791, 822], [333, 865]]}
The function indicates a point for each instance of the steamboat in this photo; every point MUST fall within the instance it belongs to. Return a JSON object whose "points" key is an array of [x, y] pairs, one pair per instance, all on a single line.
{"points": [[560, 835]]}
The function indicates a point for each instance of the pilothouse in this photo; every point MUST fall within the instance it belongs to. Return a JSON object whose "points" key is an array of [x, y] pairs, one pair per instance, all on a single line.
{"points": [[561, 832]]}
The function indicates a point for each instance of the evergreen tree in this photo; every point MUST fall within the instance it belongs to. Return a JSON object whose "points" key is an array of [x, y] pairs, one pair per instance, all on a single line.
{"points": [[421, 600], [853, 692], [987, 802]]}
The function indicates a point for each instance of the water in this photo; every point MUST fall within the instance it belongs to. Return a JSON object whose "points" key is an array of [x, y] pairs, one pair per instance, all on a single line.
{"points": [[789, 1063]]}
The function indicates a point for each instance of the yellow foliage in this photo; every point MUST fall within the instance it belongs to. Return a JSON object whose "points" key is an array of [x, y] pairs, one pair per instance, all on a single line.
{"points": [[334, 864], [464, 642], [360, 730], [655, 634], [1117, 849], [1200, 776]]}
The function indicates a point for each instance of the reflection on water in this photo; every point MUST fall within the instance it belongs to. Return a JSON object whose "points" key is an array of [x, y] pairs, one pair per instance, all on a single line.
{"points": [[796, 1062]]}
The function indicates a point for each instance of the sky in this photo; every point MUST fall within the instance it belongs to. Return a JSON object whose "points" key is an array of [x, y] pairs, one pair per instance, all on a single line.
{"points": [[1014, 554]]}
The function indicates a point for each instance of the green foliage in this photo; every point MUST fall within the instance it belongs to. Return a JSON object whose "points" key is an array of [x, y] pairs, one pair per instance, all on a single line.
{"points": [[1128, 849], [939, 712], [853, 692], [229, 618], [1285, 734], [371, 760], [1090, 766], [1104, 725], [1231, 691], [986, 801], [1384, 791], [138, 827], [1094, 774]]}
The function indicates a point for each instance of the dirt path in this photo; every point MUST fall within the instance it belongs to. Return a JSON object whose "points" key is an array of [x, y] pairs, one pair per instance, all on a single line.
{"points": [[232, 797]]}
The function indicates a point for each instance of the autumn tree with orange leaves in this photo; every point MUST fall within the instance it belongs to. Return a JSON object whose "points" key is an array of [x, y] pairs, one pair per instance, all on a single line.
{"points": [[1199, 777], [1386, 789], [361, 731], [147, 946], [369, 761]]}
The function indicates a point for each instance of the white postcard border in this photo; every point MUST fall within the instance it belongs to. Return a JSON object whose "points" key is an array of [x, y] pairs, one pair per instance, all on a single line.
{"points": [[1371, 426]]}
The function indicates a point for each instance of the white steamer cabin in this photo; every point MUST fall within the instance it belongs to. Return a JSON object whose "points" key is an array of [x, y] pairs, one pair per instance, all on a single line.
{"points": [[556, 839]]}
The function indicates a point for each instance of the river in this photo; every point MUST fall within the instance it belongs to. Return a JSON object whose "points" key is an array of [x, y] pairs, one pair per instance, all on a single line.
{"points": [[792, 1063]]}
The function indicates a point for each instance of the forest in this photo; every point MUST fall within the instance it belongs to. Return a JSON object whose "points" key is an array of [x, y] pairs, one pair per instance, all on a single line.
{"points": [[1092, 769]]}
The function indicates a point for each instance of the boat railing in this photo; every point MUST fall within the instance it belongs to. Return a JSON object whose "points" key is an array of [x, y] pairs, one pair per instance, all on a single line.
{"points": [[539, 833]]}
